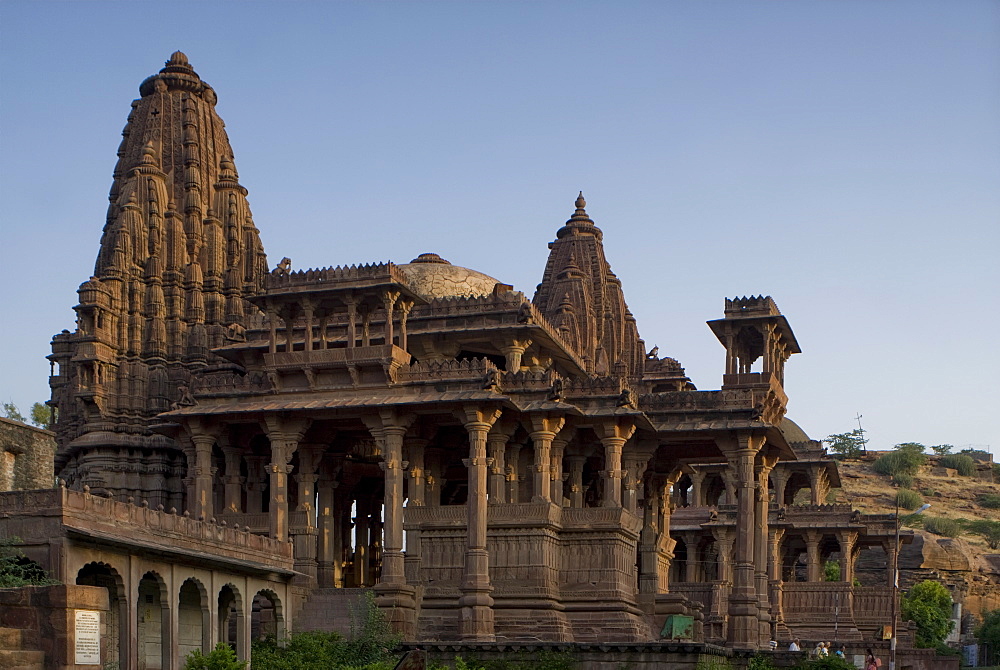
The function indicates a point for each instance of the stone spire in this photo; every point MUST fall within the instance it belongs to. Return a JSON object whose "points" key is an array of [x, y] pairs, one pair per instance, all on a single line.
{"points": [[582, 296], [179, 254]]}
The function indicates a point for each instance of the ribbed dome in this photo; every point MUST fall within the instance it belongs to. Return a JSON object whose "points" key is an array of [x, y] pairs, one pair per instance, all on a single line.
{"points": [[434, 277]]}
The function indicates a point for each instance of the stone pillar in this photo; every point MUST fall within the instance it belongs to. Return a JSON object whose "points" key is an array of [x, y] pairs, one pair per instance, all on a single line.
{"points": [[308, 308], [328, 543], [818, 484], [496, 444], [846, 539], [697, 489], [476, 617], [635, 470], [362, 539], [775, 536], [544, 429], [691, 565], [234, 481], [513, 476], [648, 542], [415, 493], [556, 469], [724, 549], [814, 570], [352, 324], [394, 595], [779, 477], [256, 474], [765, 464], [512, 352], [305, 532], [404, 314], [576, 481], [202, 484], [890, 560], [614, 434], [284, 436], [389, 299], [743, 607]]}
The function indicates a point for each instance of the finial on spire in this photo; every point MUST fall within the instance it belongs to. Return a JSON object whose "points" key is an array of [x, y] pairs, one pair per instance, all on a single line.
{"points": [[178, 58], [580, 202], [580, 214]]}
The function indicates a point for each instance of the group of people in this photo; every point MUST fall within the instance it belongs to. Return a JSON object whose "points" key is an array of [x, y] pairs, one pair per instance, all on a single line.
{"points": [[823, 649]]}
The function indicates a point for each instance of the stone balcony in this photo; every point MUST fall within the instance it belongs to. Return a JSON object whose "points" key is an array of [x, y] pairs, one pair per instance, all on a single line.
{"points": [[36, 517]]}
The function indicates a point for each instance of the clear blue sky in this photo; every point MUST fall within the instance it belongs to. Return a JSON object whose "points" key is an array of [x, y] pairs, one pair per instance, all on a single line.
{"points": [[843, 157]]}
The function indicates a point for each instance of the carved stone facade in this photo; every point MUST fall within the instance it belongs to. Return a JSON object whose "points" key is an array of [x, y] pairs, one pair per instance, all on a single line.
{"points": [[493, 467]]}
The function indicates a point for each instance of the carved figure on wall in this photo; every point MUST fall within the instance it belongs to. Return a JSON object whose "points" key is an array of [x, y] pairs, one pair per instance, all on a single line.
{"points": [[283, 268]]}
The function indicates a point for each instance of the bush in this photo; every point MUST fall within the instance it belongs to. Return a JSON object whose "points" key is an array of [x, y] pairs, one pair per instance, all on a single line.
{"points": [[903, 481], [847, 445], [990, 530], [760, 662], [989, 501], [942, 526], [908, 499], [942, 449], [826, 663], [221, 658], [16, 570], [831, 571], [369, 647], [988, 632], [905, 460], [961, 462], [928, 604]]}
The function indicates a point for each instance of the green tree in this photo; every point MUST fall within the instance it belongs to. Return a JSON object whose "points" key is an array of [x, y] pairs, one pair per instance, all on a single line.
{"points": [[221, 658], [41, 415], [847, 445], [928, 604], [10, 411], [990, 530], [988, 632], [831, 571], [942, 449]]}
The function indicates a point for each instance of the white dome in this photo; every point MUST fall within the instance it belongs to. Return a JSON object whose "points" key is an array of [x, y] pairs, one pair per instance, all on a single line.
{"points": [[434, 277]]}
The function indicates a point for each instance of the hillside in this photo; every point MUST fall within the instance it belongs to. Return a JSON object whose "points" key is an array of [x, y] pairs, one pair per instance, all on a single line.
{"points": [[965, 561]]}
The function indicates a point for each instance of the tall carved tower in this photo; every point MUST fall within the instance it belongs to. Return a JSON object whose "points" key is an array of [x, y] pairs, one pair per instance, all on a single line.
{"points": [[583, 299], [178, 257]]}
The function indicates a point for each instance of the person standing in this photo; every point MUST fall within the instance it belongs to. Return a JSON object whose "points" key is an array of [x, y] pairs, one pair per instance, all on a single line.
{"points": [[871, 662]]}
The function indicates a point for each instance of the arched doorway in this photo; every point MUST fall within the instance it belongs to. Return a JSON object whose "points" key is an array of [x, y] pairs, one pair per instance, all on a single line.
{"points": [[153, 623], [114, 634], [192, 612], [266, 618], [231, 618]]}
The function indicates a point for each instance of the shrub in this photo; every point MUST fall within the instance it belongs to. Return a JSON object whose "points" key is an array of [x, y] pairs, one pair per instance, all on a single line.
{"points": [[903, 481], [908, 499], [221, 658], [942, 449], [928, 604], [989, 501], [977, 454], [825, 663], [988, 632], [961, 462], [831, 571], [847, 445], [990, 530], [942, 526], [16, 570], [760, 662], [903, 461]]}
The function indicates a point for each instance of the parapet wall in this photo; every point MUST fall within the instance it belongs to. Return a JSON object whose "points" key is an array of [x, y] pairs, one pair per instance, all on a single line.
{"points": [[27, 455]]}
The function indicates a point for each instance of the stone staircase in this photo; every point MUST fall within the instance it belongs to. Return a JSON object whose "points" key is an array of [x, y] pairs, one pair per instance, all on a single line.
{"points": [[331, 610], [13, 655]]}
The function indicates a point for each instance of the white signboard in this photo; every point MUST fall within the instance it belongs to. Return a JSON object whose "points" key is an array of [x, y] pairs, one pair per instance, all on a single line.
{"points": [[88, 637]]}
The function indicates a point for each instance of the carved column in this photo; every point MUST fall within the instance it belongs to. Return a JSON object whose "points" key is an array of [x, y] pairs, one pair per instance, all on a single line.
{"points": [[576, 481], [779, 477], [414, 448], [328, 544], [352, 323], [389, 299], [404, 314], [202, 484], [775, 536], [614, 433], [635, 469], [556, 469], [544, 429], [512, 352], [890, 561], [814, 570], [476, 618], [256, 474], [765, 464], [284, 436], [272, 321], [234, 481], [304, 530], [496, 444], [697, 489], [308, 308], [743, 608], [691, 565], [846, 539], [818, 484], [513, 475]]}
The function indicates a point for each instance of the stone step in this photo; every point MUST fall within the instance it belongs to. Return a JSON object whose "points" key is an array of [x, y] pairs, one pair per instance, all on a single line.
{"points": [[22, 660], [10, 638]]}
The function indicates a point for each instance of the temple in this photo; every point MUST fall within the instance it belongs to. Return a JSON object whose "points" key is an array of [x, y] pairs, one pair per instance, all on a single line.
{"points": [[245, 450]]}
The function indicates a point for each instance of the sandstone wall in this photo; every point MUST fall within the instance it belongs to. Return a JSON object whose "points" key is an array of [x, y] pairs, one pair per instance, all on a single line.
{"points": [[27, 455]]}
